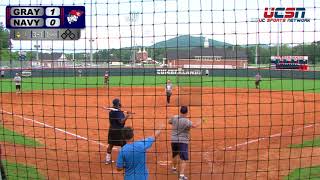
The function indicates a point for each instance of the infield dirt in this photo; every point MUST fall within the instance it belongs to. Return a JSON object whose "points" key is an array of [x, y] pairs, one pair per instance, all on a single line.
{"points": [[246, 135]]}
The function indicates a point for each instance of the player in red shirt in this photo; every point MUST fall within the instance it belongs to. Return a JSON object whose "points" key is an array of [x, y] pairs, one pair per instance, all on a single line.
{"points": [[106, 78]]}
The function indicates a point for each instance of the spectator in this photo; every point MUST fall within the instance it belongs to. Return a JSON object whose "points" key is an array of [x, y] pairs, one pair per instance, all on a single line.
{"points": [[132, 156]]}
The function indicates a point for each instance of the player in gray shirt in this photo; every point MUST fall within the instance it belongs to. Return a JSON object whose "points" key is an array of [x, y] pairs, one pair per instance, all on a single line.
{"points": [[17, 79], [180, 137], [258, 80]]}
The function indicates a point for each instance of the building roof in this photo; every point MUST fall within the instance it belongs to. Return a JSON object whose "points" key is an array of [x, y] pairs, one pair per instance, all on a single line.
{"points": [[224, 53], [51, 56]]}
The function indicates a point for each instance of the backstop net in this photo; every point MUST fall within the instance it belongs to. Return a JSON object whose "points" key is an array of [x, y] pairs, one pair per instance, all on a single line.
{"points": [[189, 87], [83, 89]]}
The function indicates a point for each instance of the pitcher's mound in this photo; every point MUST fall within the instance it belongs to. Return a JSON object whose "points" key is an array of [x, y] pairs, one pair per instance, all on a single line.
{"points": [[189, 96]]}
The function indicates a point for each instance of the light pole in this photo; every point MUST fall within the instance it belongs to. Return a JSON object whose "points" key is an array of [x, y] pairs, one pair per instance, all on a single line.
{"points": [[133, 16], [91, 40], [257, 44], [278, 48], [91, 54], [37, 52], [110, 60], [278, 34], [257, 41], [37, 46]]}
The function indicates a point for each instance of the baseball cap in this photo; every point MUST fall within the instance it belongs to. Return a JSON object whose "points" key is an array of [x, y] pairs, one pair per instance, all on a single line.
{"points": [[116, 102], [184, 109]]}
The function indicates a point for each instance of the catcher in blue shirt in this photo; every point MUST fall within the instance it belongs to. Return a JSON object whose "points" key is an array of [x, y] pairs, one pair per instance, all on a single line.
{"points": [[132, 156]]}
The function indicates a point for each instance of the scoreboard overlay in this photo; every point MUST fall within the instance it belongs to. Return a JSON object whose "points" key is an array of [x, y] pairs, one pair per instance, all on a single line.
{"points": [[45, 22], [45, 34]]}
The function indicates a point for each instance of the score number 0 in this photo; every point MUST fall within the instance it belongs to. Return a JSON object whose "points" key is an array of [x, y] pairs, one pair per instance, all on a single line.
{"points": [[52, 22]]}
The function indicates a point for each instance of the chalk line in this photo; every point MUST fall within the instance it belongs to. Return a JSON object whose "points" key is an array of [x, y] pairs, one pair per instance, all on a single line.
{"points": [[269, 137], [55, 128]]}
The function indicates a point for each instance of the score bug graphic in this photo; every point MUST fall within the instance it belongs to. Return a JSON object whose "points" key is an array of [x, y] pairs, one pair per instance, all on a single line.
{"points": [[45, 17], [45, 22]]}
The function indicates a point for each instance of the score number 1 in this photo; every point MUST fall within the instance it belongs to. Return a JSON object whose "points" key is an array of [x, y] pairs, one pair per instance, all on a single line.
{"points": [[53, 22]]}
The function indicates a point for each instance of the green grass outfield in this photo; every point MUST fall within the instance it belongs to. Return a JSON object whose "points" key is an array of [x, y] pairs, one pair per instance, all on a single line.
{"points": [[6, 85]]}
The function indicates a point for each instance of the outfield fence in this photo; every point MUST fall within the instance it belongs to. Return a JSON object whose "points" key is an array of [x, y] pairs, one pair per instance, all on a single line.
{"points": [[138, 71]]}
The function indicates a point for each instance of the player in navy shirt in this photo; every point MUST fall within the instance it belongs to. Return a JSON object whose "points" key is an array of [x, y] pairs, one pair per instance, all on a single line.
{"points": [[132, 156], [117, 120]]}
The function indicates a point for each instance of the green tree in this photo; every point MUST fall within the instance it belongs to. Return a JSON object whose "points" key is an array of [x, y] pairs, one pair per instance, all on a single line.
{"points": [[122, 55], [31, 55], [5, 42], [157, 53], [101, 55]]}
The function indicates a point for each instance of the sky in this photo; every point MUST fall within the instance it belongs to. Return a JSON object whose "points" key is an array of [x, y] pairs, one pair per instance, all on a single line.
{"points": [[229, 21]]}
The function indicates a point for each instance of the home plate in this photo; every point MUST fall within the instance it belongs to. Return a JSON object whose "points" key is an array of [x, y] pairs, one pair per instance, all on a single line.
{"points": [[164, 163]]}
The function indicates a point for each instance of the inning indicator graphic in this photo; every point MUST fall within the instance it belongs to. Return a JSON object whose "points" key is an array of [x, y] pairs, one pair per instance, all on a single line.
{"points": [[45, 22]]}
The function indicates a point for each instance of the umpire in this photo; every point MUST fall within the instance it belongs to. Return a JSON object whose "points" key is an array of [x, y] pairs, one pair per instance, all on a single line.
{"points": [[258, 80], [117, 120]]}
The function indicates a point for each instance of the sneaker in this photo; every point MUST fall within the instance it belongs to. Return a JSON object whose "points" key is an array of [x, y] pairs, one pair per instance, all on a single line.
{"points": [[183, 178], [109, 162]]}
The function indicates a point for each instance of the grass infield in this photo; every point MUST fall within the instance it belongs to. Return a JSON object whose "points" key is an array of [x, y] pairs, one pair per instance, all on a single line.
{"points": [[12, 137], [311, 143], [304, 173], [17, 171]]}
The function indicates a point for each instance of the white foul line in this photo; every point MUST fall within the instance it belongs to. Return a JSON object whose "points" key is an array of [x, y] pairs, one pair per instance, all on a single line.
{"points": [[263, 138], [55, 128]]}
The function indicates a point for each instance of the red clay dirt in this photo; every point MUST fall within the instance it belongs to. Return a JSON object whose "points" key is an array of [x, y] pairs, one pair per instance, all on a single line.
{"points": [[246, 135]]}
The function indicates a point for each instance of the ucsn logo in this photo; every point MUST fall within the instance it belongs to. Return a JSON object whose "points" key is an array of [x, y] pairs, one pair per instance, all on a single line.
{"points": [[282, 14]]}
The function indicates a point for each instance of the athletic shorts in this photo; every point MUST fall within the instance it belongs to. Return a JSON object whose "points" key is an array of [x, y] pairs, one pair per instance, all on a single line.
{"points": [[169, 93], [115, 137], [258, 82], [181, 149], [18, 87]]}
